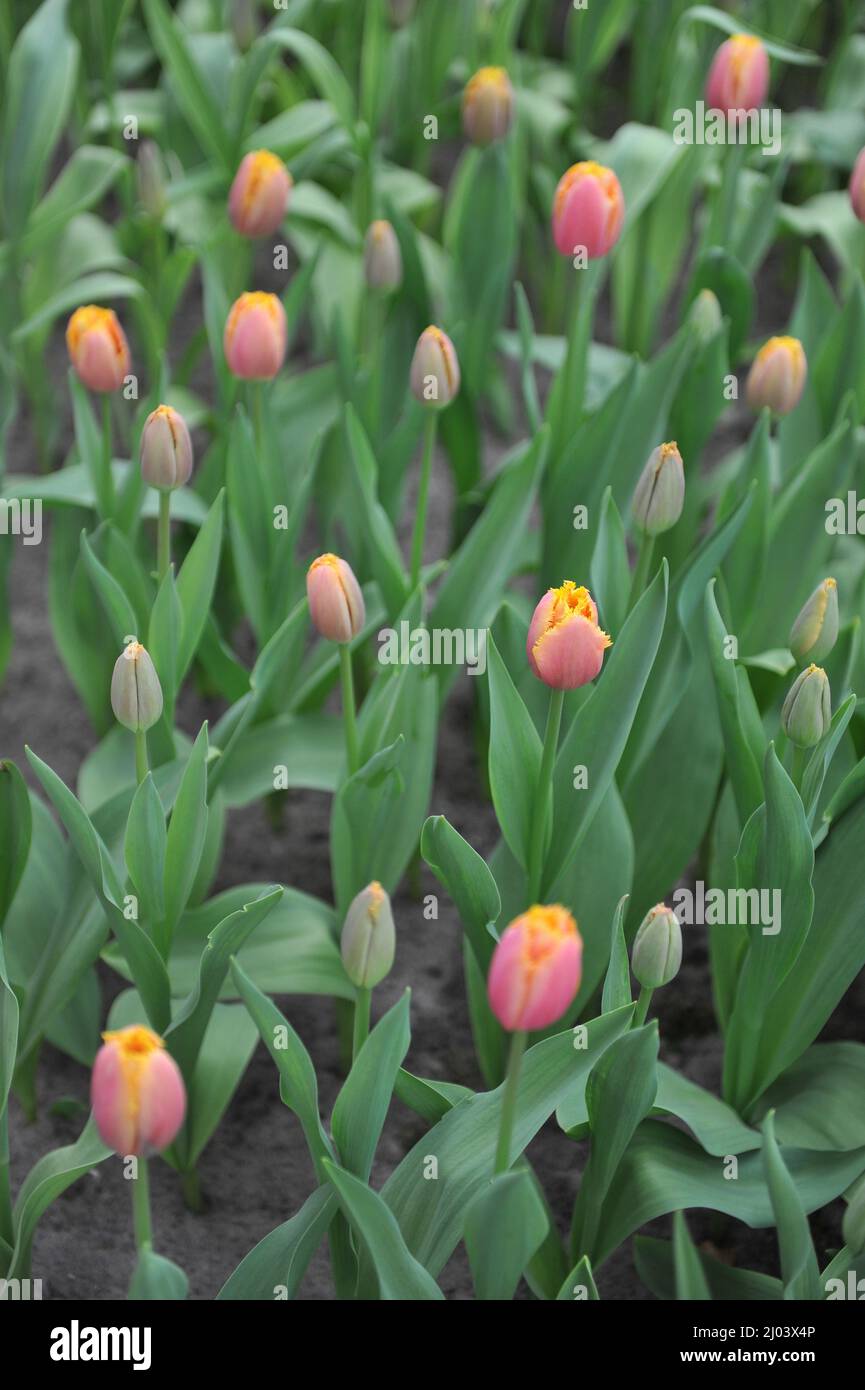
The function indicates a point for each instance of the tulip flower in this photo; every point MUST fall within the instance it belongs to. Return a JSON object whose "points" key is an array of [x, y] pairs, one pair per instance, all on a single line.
{"points": [[137, 1092], [815, 631], [660, 493], [166, 463], [777, 376], [656, 954], [382, 258], [565, 645], [136, 697], [588, 210], [367, 946], [259, 195], [335, 599], [139, 1103], [807, 711], [337, 609], [739, 76], [488, 106], [435, 370], [256, 337], [98, 348], [533, 978], [856, 187], [435, 381]]}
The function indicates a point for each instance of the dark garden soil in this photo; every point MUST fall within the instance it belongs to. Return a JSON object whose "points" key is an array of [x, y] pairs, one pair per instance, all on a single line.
{"points": [[256, 1172]]}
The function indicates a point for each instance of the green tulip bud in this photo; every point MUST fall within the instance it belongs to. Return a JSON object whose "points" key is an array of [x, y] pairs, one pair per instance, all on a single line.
{"points": [[660, 494], [853, 1225], [136, 695], [657, 951], [807, 710], [706, 316], [815, 631], [150, 170], [368, 937]]}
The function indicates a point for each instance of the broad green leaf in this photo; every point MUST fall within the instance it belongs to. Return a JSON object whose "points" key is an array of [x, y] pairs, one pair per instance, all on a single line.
{"points": [[799, 1268], [505, 1223], [617, 982], [44, 1184], [656, 1267], [16, 826], [275, 1267], [465, 876], [144, 849], [156, 1277], [362, 1104], [186, 834], [691, 1282], [196, 581], [579, 1286], [298, 1085], [190, 87], [400, 1276], [514, 758]]}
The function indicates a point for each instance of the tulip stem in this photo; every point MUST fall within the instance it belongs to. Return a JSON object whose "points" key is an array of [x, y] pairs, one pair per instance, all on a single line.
{"points": [[509, 1101], [422, 498], [352, 746], [641, 569], [361, 1020], [797, 767], [541, 809], [141, 1205], [163, 535], [106, 501], [643, 1002], [141, 766]]}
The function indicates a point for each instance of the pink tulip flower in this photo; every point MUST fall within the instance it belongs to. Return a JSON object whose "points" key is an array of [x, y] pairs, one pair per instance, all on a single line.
{"points": [[335, 600], [256, 336], [536, 968], [259, 194], [565, 646], [588, 210], [98, 348], [137, 1092]]}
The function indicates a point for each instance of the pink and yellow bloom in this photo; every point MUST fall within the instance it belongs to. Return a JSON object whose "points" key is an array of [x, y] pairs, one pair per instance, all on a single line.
{"points": [[739, 76], [488, 106], [256, 336], [777, 376], [565, 646], [137, 1092], [259, 195], [435, 369], [98, 348], [335, 600], [588, 210], [857, 186], [166, 449], [536, 968]]}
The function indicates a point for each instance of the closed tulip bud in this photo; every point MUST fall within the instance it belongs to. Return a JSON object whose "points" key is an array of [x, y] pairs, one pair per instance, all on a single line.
{"points": [[382, 258], [588, 210], [368, 941], [150, 175], [564, 645], [137, 1092], [853, 1224], [256, 336], [435, 371], [259, 194], [488, 106], [807, 711], [706, 316], [166, 449], [777, 376], [657, 951], [660, 494], [335, 599], [536, 968], [244, 25], [857, 186], [739, 76], [815, 631], [98, 348], [136, 695]]}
